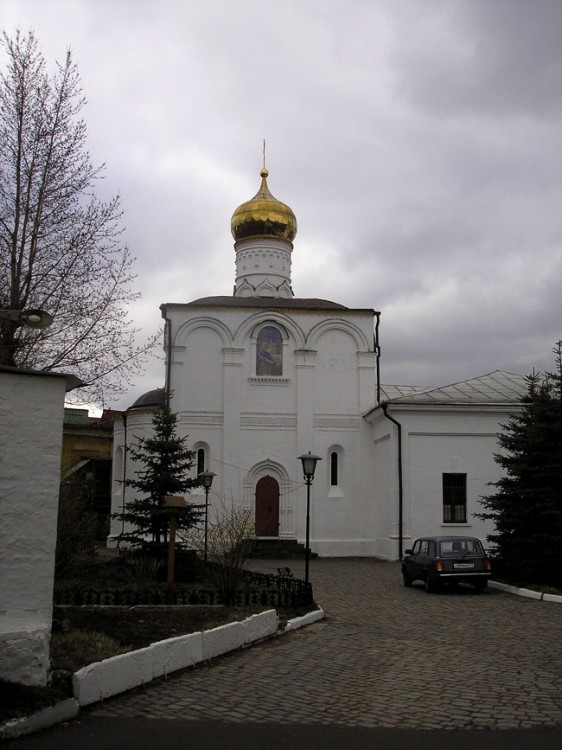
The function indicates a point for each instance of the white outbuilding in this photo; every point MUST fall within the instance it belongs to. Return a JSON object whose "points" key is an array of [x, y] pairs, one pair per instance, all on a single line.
{"points": [[433, 454]]}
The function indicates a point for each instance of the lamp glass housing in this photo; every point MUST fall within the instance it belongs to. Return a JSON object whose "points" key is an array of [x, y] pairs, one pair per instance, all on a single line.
{"points": [[207, 478], [309, 461]]}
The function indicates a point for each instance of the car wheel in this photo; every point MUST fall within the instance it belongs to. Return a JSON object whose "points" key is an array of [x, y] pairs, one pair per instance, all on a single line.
{"points": [[430, 585], [406, 578]]}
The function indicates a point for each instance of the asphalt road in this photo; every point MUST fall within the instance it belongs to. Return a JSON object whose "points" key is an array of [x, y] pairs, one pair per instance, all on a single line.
{"points": [[112, 733]]}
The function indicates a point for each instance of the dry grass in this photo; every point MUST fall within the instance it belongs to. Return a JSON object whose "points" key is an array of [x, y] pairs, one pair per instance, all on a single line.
{"points": [[75, 649], [136, 627]]}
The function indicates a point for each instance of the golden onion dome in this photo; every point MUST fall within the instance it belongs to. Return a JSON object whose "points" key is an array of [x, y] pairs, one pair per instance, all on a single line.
{"points": [[263, 216]]}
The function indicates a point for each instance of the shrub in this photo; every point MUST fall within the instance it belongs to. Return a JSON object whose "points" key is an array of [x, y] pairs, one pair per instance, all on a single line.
{"points": [[228, 546]]}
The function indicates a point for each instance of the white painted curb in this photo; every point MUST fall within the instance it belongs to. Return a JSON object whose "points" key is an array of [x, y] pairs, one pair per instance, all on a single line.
{"points": [[528, 593], [308, 619], [552, 598], [62, 711], [126, 671], [123, 672]]}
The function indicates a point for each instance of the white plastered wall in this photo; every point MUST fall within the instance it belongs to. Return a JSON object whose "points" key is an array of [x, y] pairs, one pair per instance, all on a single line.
{"points": [[31, 420], [247, 422], [434, 442], [127, 429]]}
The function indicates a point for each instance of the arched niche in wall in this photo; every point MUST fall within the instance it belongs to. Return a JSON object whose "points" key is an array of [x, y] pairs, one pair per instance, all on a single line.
{"points": [[180, 336], [250, 328], [336, 371], [335, 468], [333, 324], [201, 462], [197, 378]]}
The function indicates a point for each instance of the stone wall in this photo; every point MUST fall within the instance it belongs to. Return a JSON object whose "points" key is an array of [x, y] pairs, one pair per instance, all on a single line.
{"points": [[31, 421]]}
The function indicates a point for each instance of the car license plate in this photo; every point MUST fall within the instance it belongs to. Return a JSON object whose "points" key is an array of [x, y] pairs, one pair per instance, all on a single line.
{"points": [[464, 566]]}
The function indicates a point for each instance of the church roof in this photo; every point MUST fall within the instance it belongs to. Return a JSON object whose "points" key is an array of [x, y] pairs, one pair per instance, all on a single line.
{"points": [[494, 388], [393, 392], [292, 303], [150, 398]]}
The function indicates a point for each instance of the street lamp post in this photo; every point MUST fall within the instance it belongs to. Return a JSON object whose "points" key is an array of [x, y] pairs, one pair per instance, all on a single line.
{"points": [[309, 461], [206, 478]]}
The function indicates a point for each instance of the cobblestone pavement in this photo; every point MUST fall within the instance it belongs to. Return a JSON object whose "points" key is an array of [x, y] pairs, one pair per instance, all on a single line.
{"points": [[385, 656]]}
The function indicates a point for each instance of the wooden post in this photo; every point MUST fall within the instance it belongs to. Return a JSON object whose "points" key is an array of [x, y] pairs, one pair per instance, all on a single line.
{"points": [[171, 551], [172, 506]]}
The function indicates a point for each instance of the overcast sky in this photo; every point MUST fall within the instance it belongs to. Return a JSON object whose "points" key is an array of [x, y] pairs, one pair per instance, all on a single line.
{"points": [[419, 143]]}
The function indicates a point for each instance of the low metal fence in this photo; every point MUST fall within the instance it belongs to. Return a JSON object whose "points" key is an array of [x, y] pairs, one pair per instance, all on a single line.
{"points": [[257, 589], [293, 589]]}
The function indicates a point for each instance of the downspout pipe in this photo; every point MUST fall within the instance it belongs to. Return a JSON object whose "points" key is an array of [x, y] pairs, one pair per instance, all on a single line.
{"points": [[124, 475], [384, 408], [378, 355], [168, 348]]}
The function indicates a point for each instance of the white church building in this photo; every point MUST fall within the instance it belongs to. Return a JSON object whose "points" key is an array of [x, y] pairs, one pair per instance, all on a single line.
{"points": [[260, 377]]}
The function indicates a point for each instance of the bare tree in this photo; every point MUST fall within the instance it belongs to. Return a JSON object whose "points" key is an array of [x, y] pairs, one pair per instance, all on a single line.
{"points": [[60, 247], [229, 545]]}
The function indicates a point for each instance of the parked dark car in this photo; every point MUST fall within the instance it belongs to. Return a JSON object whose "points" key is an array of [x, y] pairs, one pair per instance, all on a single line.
{"points": [[438, 560]]}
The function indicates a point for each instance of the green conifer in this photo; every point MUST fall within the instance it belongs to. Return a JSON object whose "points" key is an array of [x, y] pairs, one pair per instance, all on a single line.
{"points": [[166, 469], [527, 506]]}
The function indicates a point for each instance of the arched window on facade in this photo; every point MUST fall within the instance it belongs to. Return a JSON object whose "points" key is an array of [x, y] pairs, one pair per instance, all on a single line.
{"points": [[334, 468], [200, 460], [269, 352], [335, 471]]}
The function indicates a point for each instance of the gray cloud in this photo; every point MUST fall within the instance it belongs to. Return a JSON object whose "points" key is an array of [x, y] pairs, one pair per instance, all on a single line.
{"points": [[493, 59], [418, 143]]}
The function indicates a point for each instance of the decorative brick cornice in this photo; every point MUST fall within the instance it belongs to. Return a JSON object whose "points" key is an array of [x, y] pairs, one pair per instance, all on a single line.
{"points": [[204, 418], [336, 423], [271, 421]]}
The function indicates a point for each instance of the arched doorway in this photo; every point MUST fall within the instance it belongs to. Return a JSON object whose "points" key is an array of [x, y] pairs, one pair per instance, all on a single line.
{"points": [[267, 507]]}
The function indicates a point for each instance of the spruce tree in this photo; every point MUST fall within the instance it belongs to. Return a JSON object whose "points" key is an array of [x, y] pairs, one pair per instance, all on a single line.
{"points": [[166, 465], [527, 506]]}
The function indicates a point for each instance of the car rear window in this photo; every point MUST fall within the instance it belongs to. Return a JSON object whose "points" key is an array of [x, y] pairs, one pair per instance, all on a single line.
{"points": [[453, 547]]}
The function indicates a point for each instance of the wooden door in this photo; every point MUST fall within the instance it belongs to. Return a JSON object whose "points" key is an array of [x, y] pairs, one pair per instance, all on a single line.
{"points": [[267, 507]]}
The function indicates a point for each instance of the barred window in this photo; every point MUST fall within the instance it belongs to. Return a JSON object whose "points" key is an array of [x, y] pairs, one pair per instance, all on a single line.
{"points": [[454, 498]]}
